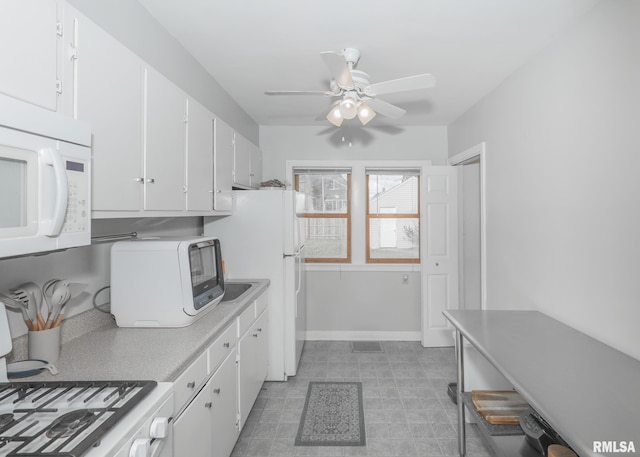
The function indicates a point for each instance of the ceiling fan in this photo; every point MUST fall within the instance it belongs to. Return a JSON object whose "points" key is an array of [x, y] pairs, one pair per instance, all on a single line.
{"points": [[356, 96]]}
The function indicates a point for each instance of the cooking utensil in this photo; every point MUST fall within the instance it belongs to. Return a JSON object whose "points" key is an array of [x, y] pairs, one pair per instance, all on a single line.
{"points": [[16, 305], [29, 367], [28, 300], [59, 297], [36, 292]]}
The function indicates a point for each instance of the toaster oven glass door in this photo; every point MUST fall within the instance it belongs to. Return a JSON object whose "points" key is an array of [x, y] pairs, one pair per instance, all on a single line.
{"points": [[206, 272]]}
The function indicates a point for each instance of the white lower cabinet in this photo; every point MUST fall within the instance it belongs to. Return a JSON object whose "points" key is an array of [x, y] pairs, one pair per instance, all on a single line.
{"points": [[209, 423], [252, 365]]}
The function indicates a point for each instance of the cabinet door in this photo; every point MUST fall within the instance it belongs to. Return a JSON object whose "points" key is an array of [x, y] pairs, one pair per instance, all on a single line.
{"points": [[252, 367], [224, 393], [164, 148], [191, 431], [256, 167], [199, 157], [109, 97], [28, 68], [222, 166], [242, 161]]}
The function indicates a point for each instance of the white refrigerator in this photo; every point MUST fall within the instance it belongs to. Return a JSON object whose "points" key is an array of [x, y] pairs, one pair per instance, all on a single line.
{"points": [[264, 238]]}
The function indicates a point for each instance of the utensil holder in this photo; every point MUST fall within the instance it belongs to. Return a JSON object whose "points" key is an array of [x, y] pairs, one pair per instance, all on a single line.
{"points": [[45, 345]]}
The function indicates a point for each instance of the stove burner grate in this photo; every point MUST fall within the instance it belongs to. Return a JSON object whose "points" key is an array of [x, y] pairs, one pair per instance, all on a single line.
{"points": [[63, 419]]}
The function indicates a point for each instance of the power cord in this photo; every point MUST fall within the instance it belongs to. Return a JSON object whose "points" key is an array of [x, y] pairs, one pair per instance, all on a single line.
{"points": [[101, 307]]}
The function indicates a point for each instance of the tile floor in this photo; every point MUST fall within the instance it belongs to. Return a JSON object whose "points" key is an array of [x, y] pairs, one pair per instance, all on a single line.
{"points": [[406, 407]]}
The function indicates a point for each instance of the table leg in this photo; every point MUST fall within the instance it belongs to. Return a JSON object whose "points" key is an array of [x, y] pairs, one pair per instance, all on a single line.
{"points": [[460, 360]]}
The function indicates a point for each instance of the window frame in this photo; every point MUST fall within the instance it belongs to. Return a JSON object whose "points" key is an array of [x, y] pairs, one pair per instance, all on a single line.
{"points": [[346, 216], [370, 216]]}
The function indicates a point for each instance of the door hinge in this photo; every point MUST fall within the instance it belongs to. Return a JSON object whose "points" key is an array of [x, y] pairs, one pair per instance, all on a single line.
{"points": [[59, 28], [58, 86]]}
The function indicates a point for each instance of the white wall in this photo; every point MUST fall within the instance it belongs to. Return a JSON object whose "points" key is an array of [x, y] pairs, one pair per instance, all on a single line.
{"points": [[356, 302], [282, 143], [563, 214], [131, 24]]}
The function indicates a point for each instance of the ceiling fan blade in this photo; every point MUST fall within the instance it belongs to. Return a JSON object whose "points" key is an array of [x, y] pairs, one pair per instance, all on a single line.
{"points": [[339, 69], [299, 92], [384, 108], [425, 81]]}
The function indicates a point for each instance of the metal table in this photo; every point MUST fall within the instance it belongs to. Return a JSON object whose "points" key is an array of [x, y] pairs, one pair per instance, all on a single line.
{"points": [[587, 391]]}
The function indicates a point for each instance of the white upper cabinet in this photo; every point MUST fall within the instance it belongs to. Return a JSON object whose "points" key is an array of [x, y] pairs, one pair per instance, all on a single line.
{"points": [[164, 144], [109, 96], [199, 157], [247, 163], [29, 34], [223, 166]]}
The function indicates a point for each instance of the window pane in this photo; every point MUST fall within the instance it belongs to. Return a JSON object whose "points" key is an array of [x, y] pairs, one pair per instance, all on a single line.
{"points": [[393, 193], [394, 238], [325, 238], [325, 193]]}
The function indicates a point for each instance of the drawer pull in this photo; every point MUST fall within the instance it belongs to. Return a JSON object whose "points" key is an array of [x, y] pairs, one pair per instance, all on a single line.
{"points": [[191, 384], [259, 329], [226, 345], [208, 404], [216, 391], [255, 335]]}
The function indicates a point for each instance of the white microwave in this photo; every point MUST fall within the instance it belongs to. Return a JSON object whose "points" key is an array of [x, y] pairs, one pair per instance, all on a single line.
{"points": [[165, 281], [45, 180]]}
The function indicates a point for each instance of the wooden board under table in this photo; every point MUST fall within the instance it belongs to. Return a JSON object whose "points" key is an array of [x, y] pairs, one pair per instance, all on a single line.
{"points": [[499, 407]]}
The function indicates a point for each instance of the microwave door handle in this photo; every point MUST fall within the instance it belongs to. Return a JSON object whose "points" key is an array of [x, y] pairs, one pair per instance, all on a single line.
{"points": [[53, 226]]}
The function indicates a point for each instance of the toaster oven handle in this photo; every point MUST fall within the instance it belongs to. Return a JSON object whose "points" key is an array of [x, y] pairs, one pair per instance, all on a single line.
{"points": [[53, 226]]}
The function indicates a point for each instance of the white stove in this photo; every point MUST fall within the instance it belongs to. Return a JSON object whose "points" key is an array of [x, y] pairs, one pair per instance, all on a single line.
{"points": [[83, 418]]}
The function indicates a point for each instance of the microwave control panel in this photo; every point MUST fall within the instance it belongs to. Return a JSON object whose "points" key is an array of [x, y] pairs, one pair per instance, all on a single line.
{"points": [[77, 218]]}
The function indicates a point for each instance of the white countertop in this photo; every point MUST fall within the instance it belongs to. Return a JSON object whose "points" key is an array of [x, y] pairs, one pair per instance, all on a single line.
{"points": [[159, 354]]}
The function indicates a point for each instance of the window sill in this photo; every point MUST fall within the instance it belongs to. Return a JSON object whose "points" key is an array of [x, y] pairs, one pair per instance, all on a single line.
{"points": [[405, 267]]}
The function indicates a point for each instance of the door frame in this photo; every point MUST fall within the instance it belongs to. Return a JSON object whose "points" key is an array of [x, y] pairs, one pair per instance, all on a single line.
{"points": [[474, 153]]}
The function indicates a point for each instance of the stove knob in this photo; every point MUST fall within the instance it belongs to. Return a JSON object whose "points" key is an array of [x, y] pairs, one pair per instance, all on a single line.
{"points": [[159, 427], [140, 448]]}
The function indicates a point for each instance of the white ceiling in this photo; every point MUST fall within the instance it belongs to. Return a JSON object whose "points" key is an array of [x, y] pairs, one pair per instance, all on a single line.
{"points": [[471, 46]]}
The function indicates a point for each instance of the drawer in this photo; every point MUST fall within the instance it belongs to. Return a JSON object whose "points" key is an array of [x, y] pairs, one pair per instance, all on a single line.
{"points": [[188, 382], [246, 319], [224, 344], [261, 304]]}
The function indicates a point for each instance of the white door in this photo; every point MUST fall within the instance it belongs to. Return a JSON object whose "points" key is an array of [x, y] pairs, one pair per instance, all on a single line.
{"points": [[439, 253]]}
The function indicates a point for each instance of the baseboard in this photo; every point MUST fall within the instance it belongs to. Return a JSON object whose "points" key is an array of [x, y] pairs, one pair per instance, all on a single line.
{"points": [[363, 336]]}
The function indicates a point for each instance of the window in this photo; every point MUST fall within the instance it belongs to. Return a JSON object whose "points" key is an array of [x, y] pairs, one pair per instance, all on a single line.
{"points": [[393, 216], [327, 213]]}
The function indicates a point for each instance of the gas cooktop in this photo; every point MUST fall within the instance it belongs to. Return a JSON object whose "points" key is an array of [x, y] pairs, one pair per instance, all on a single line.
{"points": [[63, 419]]}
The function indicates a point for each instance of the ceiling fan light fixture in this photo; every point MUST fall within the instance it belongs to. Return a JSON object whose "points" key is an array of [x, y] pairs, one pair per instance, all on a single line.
{"points": [[365, 113], [348, 107], [334, 116]]}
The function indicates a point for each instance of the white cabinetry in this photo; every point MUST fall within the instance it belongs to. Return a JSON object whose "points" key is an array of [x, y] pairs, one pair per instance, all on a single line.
{"points": [[109, 90], [207, 427], [223, 166], [252, 365], [214, 395], [199, 157], [247, 163], [164, 147], [29, 64]]}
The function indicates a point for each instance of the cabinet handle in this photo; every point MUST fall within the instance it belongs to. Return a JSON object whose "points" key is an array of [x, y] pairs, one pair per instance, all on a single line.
{"points": [[151, 180], [255, 335], [208, 404], [191, 384], [218, 191], [216, 391], [226, 345], [259, 329], [140, 180]]}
